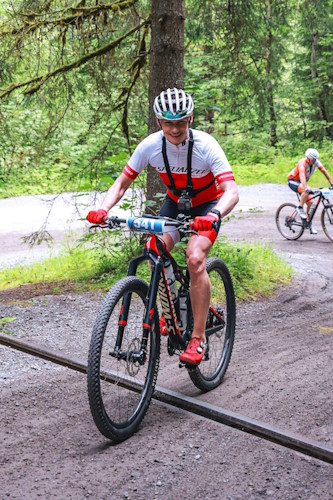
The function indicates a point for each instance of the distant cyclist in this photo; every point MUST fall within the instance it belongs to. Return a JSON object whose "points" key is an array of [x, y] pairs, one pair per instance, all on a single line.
{"points": [[199, 182], [298, 180]]}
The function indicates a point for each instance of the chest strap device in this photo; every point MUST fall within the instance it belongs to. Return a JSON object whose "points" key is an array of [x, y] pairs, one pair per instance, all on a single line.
{"points": [[189, 185]]}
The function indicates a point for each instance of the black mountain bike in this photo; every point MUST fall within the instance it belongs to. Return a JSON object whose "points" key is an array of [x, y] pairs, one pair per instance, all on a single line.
{"points": [[124, 349], [292, 226]]}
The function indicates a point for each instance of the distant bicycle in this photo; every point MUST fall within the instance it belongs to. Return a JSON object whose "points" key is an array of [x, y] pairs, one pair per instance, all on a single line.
{"points": [[292, 226], [124, 349]]}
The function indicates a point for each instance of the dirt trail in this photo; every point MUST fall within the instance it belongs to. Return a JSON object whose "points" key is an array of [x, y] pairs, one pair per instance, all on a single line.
{"points": [[280, 372]]}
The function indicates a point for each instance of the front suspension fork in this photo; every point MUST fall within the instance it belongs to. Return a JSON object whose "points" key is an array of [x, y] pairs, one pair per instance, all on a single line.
{"points": [[138, 356]]}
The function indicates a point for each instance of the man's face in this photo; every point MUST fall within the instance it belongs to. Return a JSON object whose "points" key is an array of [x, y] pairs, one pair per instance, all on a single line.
{"points": [[175, 131]]}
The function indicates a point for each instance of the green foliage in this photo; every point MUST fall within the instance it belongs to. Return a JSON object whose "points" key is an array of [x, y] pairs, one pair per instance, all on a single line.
{"points": [[70, 134], [72, 264], [247, 59], [256, 270], [98, 259], [103, 259], [4, 322]]}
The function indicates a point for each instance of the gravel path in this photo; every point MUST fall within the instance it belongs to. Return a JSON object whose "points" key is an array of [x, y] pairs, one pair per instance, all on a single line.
{"points": [[280, 372]]}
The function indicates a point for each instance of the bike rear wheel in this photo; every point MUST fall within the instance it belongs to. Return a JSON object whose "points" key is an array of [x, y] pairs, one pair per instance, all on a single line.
{"points": [[220, 328], [289, 223], [327, 221], [120, 385]]}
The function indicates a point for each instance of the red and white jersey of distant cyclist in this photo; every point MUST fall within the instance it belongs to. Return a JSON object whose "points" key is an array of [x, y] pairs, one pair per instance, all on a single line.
{"points": [[208, 163], [303, 165]]}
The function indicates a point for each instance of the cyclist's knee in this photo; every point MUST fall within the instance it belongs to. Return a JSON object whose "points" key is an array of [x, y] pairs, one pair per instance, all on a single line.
{"points": [[196, 261], [196, 254]]}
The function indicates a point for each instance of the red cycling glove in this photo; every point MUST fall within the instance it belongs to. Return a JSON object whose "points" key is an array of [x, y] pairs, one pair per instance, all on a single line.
{"points": [[97, 216], [204, 222]]}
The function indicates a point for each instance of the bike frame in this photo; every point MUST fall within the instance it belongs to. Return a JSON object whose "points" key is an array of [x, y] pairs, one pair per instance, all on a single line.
{"points": [[156, 252], [321, 198]]}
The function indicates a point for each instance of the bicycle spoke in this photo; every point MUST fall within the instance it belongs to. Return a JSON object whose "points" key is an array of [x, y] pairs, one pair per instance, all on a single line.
{"points": [[288, 222]]}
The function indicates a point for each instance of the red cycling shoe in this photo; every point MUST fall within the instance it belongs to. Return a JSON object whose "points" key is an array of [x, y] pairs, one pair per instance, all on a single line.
{"points": [[163, 328], [194, 352]]}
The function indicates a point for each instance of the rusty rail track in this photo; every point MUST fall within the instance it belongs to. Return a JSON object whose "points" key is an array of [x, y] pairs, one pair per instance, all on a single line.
{"points": [[237, 421]]}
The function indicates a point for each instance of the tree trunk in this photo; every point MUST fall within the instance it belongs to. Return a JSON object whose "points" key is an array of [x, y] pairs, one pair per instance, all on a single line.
{"points": [[315, 79], [166, 67], [270, 99]]}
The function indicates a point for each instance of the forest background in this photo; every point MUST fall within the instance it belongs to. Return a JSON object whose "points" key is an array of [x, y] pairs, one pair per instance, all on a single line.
{"points": [[74, 86], [77, 81]]}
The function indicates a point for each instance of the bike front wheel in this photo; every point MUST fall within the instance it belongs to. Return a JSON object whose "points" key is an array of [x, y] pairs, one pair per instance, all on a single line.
{"points": [[289, 223], [327, 221], [121, 375], [220, 328]]}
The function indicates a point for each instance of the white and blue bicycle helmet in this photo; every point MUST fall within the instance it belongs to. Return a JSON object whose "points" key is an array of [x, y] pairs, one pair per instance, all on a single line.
{"points": [[312, 154], [173, 104]]}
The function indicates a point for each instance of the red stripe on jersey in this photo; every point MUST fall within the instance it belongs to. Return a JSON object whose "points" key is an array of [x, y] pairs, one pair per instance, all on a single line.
{"points": [[212, 192], [129, 172], [180, 180], [225, 176]]}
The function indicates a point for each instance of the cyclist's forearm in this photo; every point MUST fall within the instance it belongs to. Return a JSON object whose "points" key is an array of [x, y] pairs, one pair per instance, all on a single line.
{"points": [[327, 175], [303, 181], [229, 199], [116, 192]]}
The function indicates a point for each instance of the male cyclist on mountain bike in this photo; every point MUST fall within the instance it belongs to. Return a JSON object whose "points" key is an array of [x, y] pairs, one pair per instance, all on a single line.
{"points": [[298, 180], [200, 183]]}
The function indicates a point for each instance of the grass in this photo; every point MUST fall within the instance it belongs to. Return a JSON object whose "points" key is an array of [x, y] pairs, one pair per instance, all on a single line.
{"points": [[256, 270], [95, 266], [4, 322]]}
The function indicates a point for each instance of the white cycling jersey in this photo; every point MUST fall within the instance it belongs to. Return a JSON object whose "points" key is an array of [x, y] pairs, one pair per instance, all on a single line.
{"points": [[209, 163]]}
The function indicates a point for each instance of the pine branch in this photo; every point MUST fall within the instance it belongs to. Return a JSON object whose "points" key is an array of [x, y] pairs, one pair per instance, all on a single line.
{"points": [[35, 84], [135, 69], [69, 16]]}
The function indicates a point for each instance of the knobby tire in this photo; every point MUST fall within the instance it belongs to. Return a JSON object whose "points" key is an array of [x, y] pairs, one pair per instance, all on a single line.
{"points": [[209, 374], [288, 222], [327, 221], [118, 411]]}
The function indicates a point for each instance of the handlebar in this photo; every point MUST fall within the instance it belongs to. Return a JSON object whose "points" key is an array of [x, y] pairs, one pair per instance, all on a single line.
{"points": [[149, 224], [320, 191]]}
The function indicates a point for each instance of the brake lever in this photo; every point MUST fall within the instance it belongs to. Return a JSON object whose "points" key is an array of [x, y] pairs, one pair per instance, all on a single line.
{"points": [[187, 231]]}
